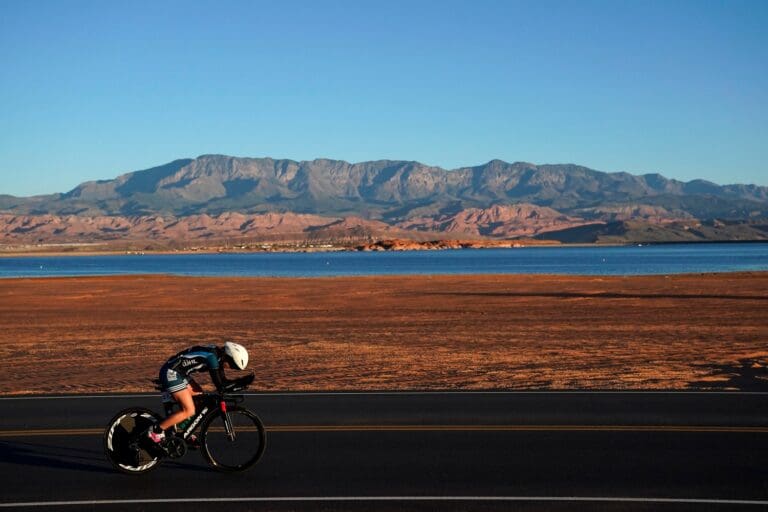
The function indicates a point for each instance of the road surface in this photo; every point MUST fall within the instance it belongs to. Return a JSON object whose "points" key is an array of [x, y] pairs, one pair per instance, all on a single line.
{"points": [[414, 451]]}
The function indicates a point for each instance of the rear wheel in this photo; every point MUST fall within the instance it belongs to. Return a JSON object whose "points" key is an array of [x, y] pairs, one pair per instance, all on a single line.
{"points": [[232, 450], [124, 445]]}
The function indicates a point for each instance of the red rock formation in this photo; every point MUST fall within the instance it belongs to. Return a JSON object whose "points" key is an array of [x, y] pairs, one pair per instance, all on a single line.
{"points": [[497, 221], [51, 229]]}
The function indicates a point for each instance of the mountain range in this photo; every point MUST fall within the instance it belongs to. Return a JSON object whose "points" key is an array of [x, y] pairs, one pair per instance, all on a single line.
{"points": [[496, 199]]}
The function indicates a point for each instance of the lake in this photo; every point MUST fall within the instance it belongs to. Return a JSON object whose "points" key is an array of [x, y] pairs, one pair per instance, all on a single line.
{"points": [[623, 260]]}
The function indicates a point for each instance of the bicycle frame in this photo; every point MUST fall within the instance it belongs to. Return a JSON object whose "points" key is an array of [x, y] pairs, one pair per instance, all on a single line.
{"points": [[210, 403]]}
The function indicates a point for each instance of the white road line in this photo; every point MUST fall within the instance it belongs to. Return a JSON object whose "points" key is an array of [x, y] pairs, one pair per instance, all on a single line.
{"points": [[311, 499], [406, 393]]}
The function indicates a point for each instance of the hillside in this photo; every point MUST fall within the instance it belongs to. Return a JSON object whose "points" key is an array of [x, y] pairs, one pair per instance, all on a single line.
{"points": [[191, 230], [387, 190], [646, 232], [222, 199], [510, 221]]}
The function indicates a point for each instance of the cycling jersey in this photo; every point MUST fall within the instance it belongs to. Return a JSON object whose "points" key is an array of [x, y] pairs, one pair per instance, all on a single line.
{"points": [[174, 375]]}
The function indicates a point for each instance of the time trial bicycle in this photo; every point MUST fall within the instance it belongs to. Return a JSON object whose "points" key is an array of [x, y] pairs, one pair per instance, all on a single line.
{"points": [[230, 437]]}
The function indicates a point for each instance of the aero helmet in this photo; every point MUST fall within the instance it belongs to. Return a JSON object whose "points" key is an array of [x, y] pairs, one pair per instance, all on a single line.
{"points": [[237, 354]]}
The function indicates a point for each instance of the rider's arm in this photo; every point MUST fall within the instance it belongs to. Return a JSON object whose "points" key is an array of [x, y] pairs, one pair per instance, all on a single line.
{"points": [[216, 370], [196, 388], [218, 378]]}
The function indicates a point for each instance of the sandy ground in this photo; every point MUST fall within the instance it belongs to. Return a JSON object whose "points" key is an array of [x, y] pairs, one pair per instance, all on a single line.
{"points": [[111, 334]]}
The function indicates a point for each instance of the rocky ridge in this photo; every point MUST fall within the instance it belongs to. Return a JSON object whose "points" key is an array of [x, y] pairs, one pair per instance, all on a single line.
{"points": [[31, 229], [468, 228], [392, 191], [216, 198], [497, 221]]}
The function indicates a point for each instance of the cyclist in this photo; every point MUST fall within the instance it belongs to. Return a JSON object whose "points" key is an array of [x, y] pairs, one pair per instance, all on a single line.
{"points": [[175, 379]]}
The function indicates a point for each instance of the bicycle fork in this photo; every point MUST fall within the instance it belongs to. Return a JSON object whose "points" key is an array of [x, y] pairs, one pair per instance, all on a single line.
{"points": [[228, 427]]}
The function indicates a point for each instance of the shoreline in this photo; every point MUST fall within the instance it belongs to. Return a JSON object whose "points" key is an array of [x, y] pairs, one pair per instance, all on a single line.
{"points": [[212, 251], [732, 273], [413, 246]]}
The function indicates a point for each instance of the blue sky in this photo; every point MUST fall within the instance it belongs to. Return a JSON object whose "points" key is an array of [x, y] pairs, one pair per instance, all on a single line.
{"points": [[90, 90]]}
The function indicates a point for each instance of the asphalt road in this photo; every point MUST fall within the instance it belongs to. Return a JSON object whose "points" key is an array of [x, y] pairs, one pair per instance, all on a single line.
{"points": [[412, 451]]}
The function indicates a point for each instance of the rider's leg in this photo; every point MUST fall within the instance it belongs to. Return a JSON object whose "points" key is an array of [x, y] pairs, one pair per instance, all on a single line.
{"points": [[184, 397]]}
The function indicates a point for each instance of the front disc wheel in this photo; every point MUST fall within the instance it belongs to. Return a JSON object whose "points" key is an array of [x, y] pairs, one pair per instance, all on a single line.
{"points": [[235, 449]]}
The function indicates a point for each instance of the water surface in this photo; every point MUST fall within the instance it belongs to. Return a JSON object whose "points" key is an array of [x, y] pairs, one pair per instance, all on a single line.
{"points": [[624, 260]]}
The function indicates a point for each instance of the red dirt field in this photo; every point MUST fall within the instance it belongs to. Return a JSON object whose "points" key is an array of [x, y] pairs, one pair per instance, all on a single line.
{"points": [[111, 334]]}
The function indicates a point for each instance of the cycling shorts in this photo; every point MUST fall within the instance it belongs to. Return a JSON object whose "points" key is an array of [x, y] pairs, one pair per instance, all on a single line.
{"points": [[172, 381]]}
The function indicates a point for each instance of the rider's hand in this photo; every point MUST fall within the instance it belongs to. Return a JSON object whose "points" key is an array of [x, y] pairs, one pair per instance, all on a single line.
{"points": [[247, 379], [238, 383]]}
